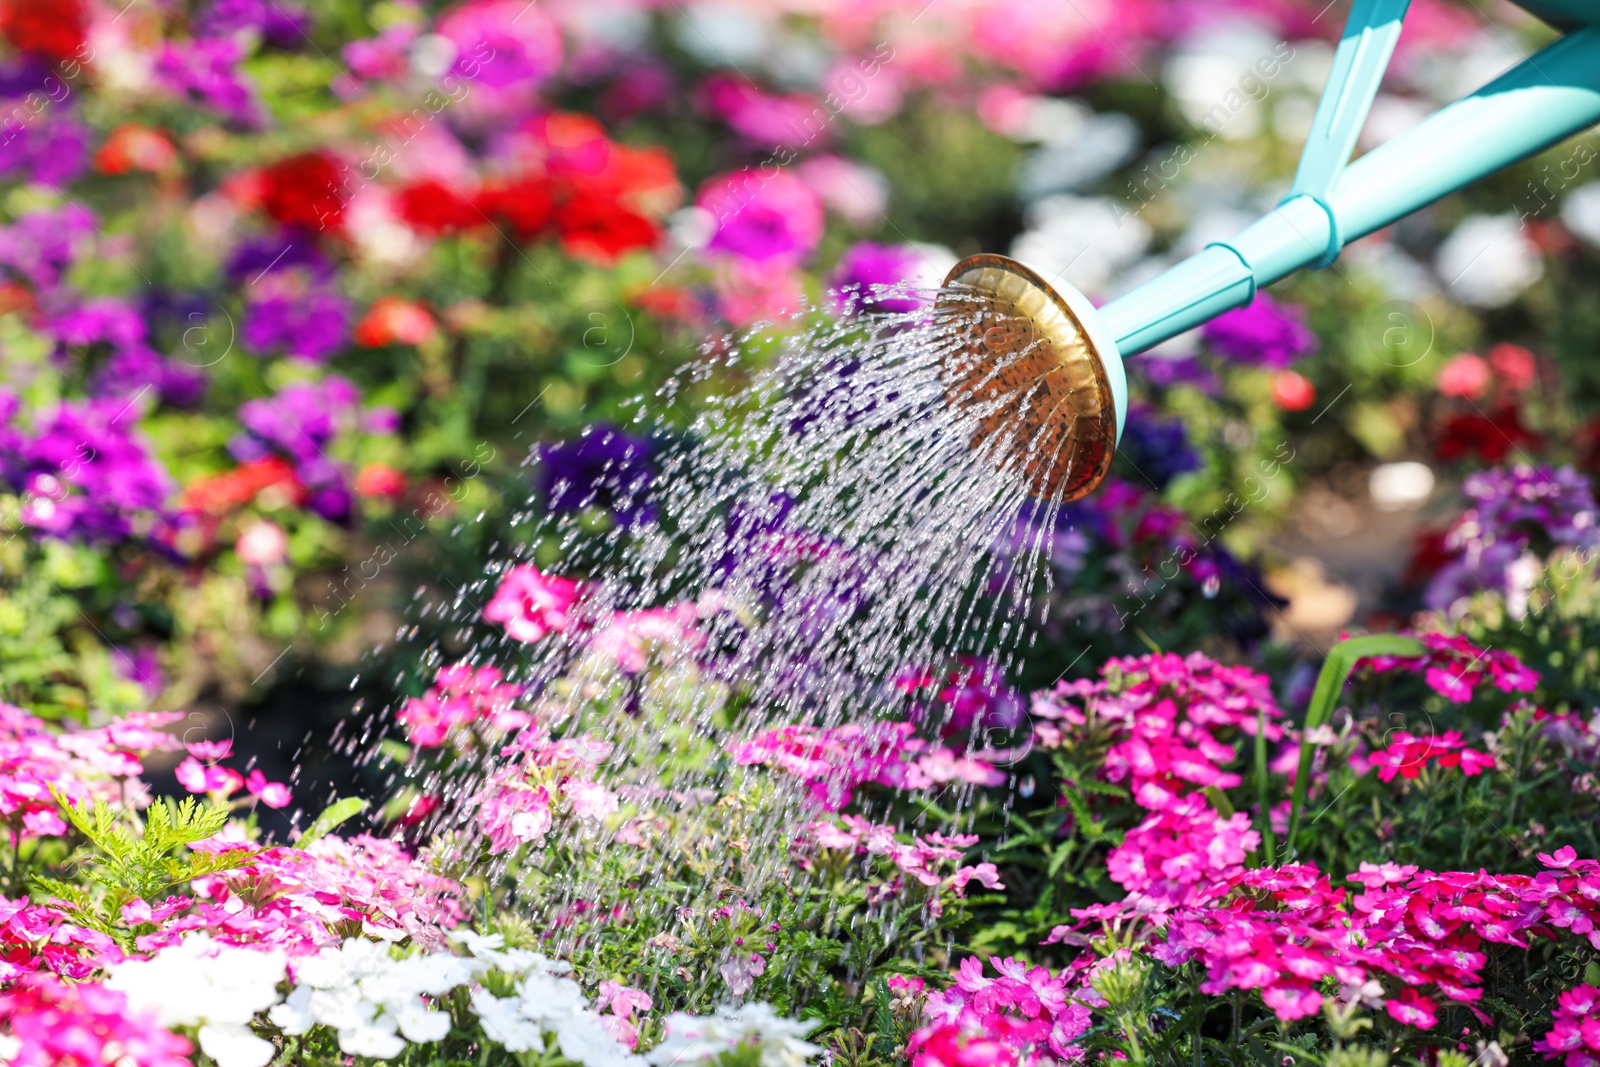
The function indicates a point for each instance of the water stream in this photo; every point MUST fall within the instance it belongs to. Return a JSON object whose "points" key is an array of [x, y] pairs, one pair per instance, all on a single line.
{"points": [[832, 523]]}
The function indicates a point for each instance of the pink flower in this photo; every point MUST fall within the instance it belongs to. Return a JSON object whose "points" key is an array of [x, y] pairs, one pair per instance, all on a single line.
{"points": [[502, 44], [754, 291], [763, 217], [462, 695], [741, 970], [512, 813], [272, 794], [590, 800], [211, 751], [628, 638], [1564, 856], [1455, 668], [1464, 375], [1412, 1009], [54, 1023], [197, 777], [531, 604], [262, 544], [1409, 756], [1290, 1000]]}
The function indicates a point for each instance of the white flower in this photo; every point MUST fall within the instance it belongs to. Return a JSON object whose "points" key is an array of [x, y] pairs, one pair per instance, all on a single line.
{"points": [[695, 1039], [1581, 212], [294, 1016], [200, 983], [584, 1039], [546, 997], [488, 950], [1084, 239], [502, 1022], [373, 1039], [233, 1045], [1214, 77], [1100, 145], [719, 33], [372, 999], [1488, 261]]}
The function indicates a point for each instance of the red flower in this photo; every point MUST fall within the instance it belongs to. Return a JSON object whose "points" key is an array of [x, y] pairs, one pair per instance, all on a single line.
{"points": [[1292, 392], [306, 191], [1514, 365], [394, 320], [526, 205], [599, 228], [380, 479], [1488, 438], [218, 494], [54, 28], [134, 147], [430, 206]]}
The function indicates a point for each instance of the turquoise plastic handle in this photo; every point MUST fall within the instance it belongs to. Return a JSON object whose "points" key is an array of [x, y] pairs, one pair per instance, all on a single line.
{"points": [[1548, 97]]}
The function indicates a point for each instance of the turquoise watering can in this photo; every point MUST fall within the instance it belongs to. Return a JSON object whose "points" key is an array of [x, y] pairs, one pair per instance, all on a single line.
{"points": [[1042, 357]]}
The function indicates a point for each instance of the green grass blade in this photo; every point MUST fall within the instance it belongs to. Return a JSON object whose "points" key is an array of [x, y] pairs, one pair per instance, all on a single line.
{"points": [[1341, 660]]}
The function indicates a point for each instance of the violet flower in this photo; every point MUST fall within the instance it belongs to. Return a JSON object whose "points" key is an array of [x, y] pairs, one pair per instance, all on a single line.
{"points": [[1264, 332], [604, 468], [866, 270]]}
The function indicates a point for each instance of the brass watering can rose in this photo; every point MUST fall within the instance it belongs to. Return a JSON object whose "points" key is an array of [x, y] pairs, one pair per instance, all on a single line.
{"points": [[1026, 371]]}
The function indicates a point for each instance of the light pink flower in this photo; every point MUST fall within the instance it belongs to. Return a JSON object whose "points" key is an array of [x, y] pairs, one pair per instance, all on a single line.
{"points": [[531, 604]]}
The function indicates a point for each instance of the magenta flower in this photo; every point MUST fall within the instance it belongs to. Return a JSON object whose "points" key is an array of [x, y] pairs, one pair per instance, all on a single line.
{"points": [[1263, 332], [763, 218], [1456, 669], [531, 604], [866, 270], [501, 43], [272, 794], [1413, 1009], [53, 1022]]}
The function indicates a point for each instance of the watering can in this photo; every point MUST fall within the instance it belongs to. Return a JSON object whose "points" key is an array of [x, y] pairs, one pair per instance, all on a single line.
{"points": [[1048, 365]]}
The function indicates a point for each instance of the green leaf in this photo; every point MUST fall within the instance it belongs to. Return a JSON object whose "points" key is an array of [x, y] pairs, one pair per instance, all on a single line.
{"points": [[1342, 659], [332, 815]]}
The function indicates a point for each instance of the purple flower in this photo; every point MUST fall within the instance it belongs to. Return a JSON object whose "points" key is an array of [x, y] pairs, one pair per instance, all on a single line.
{"points": [[310, 323], [136, 368], [106, 319], [301, 423], [48, 149], [1184, 370], [256, 257], [41, 246], [24, 74], [1264, 332], [1157, 448], [139, 665], [205, 72], [603, 468], [1517, 512], [85, 475], [865, 270], [281, 24]]}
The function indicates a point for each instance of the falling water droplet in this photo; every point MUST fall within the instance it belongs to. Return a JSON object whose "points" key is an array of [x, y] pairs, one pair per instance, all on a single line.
{"points": [[1026, 786], [1210, 587]]}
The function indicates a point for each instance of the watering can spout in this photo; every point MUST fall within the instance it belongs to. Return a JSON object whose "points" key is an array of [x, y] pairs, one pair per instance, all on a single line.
{"points": [[1072, 399]]}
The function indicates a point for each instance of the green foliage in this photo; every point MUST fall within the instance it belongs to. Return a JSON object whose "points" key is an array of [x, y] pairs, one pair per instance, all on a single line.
{"points": [[340, 811], [127, 857]]}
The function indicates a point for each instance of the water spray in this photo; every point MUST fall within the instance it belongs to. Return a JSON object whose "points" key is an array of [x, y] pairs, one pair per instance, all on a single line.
{"points": [[1045, 364]]}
